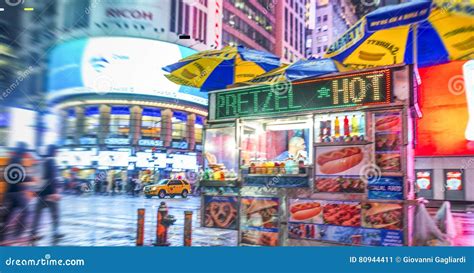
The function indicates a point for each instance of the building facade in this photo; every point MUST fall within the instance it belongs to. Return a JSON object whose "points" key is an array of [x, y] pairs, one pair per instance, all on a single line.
{"points": [[268, 25], [114, 108], [331, 19]]}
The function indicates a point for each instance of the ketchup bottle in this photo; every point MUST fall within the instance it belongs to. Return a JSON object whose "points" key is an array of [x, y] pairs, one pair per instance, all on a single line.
{"points": [[346, 126]]}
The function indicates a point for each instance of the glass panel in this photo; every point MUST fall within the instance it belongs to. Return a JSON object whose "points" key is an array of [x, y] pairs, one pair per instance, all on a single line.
{"points": [[91, 120], [221, 148], [119, 121], [276, 142], [151, 123]]}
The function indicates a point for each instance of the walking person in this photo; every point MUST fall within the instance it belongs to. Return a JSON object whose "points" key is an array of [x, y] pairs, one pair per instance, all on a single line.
{"points": [[48, 196], [16, 199]]}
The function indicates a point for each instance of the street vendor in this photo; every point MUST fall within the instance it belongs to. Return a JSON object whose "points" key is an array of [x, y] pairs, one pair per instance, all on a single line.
{"points": [[296, 150]]}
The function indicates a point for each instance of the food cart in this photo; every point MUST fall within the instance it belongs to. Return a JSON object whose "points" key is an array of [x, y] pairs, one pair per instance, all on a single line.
{"points": [[315, 161]]}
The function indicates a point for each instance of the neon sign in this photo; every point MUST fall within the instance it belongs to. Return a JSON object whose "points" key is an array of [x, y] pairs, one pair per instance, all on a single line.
{"points": [[344, 91]]}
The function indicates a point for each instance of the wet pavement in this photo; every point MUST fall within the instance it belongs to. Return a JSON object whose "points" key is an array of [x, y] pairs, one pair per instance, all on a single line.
{"points": [[97, 220], [112, 221]]}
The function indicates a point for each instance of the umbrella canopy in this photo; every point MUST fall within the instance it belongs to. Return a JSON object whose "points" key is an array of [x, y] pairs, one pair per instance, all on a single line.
{"points": [[432, 32], [216, 69], [311, 67]]}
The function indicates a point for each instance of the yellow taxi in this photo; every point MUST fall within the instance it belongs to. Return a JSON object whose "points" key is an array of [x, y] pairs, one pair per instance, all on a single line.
{"points": [[168, 187]]}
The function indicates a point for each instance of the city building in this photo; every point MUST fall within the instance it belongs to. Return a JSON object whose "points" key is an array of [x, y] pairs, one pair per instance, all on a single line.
{"points": [[113, 109], [331, 19], [268, 25]]}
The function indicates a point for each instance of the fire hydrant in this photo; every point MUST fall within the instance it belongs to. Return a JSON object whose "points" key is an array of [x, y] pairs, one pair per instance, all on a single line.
{"points": [[164, 221]]}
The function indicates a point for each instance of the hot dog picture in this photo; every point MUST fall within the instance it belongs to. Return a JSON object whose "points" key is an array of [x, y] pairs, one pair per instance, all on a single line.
{"points": [[305, 211], [339, 160], [387, 123], [382, 215], [342, 214], [339, 184]]}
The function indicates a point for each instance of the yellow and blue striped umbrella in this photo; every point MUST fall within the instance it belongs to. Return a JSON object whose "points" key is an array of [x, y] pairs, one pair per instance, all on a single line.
{"points": [[216, 69], [430, 32], [304, 68]]}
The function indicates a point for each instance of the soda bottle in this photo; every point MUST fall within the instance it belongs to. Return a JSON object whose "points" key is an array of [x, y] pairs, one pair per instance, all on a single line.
{"points": [[346, 126], [328, 126], [336, 127], [355, 126], [362, 125]]}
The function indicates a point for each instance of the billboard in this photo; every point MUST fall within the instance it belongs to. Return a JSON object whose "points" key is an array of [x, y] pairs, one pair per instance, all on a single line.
{"points": [[118, 66], [442, 131]]}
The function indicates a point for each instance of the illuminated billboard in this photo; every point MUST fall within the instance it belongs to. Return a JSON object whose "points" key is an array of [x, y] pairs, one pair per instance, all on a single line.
{"points": [[443, 130], [118, 66]]}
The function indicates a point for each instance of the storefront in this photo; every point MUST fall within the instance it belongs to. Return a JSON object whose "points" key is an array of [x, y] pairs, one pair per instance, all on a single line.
{"points": [[119, 113], [326, 160], [445, 133]]}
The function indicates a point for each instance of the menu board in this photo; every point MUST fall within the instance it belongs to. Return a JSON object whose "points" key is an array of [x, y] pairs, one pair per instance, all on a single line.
{"points": [[340, 160], [423, 180], [382, 215], [385, 187], [339, 184], [220, 212], [453, 180], [259, 222], [348, 222], [388, 141]]}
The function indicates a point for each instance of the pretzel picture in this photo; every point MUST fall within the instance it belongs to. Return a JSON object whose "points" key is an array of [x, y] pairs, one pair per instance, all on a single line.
{"points": [[220, 212]]}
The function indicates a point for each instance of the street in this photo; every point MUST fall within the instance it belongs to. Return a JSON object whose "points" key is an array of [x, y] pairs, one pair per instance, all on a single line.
{"points": [[97, 220], [112, 221]]}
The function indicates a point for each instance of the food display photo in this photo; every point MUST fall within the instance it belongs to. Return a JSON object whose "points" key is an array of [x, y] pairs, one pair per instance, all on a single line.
{"points": [[259, 238], [388, 141], [260, 212], [220, 212], [342, 213], [339, 184], [304, 231], [382, 215], [307, 211], [340, 160]]}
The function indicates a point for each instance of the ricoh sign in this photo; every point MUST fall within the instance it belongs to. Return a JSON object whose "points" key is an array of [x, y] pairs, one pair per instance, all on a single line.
{"points": [[132, 14]]}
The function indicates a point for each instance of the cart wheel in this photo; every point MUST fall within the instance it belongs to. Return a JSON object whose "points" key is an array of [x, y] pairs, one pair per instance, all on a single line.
{"points": [[162, 194], [184, 193]]}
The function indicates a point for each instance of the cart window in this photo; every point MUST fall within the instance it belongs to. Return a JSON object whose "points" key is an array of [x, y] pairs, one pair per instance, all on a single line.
{"points": [[220, 148]]}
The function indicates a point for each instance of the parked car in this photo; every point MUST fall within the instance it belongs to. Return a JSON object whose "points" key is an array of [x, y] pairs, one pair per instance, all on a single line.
{"points": [[168, 187]]}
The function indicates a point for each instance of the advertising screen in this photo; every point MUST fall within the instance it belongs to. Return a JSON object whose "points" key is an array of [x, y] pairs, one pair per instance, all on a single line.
{"points": [[113, 159], [117, 65], [453, 180], [443, 99]]}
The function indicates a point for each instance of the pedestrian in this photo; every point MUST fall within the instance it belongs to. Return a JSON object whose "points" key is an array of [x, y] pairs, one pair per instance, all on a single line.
{"points": [[110, 181], [16, 199], [48, 196]]}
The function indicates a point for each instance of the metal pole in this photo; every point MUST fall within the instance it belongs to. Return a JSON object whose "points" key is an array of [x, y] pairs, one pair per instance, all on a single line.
{"points": [[188, 222], [140, 226]]}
